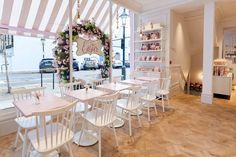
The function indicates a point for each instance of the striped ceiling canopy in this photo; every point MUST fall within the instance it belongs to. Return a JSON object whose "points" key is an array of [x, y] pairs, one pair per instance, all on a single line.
{"points": [[45, 18]]}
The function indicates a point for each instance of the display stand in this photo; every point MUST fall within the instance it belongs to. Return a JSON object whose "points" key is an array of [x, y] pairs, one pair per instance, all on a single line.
{"points": [[222, 79], [149, 53]]}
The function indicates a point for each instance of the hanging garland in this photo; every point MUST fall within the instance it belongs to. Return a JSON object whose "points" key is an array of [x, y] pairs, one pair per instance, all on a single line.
{"points": [[62, 49]]}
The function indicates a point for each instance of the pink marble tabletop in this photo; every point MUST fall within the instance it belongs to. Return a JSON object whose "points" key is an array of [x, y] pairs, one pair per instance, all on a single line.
{"points": [[28, 107], [115, 87], [84, 95]]}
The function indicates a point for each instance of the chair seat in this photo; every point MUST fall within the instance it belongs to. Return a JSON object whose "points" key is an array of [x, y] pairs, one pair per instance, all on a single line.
{"points": [[125, 92], [56, 141], [80, 107], [28, 122], [148, 97], [99, 122], [163, 92], [123, 103]]}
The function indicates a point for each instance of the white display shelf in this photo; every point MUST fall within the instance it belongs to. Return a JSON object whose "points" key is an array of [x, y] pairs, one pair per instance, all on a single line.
{"points": [[146, 51], [147, 41], [151, 30]]}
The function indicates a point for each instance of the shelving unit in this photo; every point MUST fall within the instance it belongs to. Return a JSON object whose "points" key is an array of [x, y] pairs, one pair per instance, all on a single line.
{"points": [[149, 49], [222, 78]]}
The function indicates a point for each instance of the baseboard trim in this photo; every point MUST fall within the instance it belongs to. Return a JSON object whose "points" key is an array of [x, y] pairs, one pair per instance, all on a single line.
{"points": [[207, 98]]}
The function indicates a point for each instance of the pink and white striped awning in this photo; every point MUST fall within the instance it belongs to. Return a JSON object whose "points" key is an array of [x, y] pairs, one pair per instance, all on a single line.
{"points": [[45, 18]]}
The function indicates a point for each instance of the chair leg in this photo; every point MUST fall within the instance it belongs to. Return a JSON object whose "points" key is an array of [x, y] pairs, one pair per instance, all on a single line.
{"points": [[130, 127], [155, 107], [70, 150], [162, 102], [167, 98], [99, 143], [24, 143], [75, 122], [139, 120], [114, 130], [17, 137], [148, 108], [28, 150]]}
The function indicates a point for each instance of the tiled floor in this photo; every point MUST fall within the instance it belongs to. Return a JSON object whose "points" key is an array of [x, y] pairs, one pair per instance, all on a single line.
{"points": [[190, 129]]}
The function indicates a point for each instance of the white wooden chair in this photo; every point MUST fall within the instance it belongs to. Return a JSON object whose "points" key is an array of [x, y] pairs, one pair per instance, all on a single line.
{"points": [[116, 78], [163, 92], [45, 139], [103, 114], [97, 82], [64, 88], [125, 93], [131, 105], [25, 123], [149, 97]]}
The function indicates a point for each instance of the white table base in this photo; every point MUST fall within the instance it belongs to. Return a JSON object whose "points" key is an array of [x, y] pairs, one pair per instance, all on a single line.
{"points": [[89, 137], [118, 123], [140, 112], [37, 154]]}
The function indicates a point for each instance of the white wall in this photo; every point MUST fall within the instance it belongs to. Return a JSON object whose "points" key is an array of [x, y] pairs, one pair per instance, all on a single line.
{"points": [[179, 44], [196, 67], [28, 53]]}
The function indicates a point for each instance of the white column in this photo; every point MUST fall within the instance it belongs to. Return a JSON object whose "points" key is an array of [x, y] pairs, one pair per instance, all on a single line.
{"points": [[70, 33], [208, 49], [132, 32], [110, 36]]}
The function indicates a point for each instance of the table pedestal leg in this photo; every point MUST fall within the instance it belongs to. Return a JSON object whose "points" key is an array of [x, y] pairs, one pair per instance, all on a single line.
{"points": [[118, 123], [140, 112], [88, 138]]}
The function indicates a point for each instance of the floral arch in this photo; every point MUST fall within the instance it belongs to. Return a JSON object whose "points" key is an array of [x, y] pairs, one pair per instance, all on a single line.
{"points": [[62, 49]]}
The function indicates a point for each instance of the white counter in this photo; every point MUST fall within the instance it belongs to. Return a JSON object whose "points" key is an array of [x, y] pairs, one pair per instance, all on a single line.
{"points": [[222, 85]]}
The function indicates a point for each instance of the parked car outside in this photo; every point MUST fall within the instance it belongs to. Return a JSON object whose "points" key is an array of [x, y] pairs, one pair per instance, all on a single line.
{"points": [[117, 64], [75, 65], [127, 64], [91, 64], [47, 65]]}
